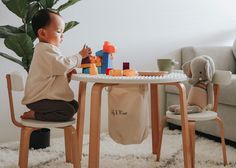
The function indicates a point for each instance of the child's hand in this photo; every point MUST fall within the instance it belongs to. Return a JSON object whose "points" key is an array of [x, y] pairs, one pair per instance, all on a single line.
{"points": [[85, 52], [70, 74]]}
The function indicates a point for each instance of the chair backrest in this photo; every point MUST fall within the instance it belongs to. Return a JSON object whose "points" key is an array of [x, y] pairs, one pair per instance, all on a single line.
{"points": [[15, 82], [220, 78]]}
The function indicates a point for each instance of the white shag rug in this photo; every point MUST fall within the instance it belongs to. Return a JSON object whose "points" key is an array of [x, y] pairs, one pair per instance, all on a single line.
{"points": [[208, 154]]}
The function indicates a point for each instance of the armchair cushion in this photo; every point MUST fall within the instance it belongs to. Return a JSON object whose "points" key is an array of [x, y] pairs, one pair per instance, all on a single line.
{"points": [[227, 93]]}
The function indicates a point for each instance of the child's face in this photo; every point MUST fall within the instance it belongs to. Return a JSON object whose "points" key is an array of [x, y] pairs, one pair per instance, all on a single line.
{"points": [[53, 33]]}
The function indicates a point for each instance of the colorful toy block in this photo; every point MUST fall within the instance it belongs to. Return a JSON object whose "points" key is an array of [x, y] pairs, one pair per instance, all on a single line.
{"points": [[125, 65], [106, 54], [86, 63], [106, 61], [93, 69], [102, 60], [108, 47], [85, 70]]}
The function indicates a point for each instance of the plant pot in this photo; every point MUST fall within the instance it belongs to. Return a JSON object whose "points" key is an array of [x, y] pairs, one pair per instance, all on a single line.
{"points": [[40, 138]]}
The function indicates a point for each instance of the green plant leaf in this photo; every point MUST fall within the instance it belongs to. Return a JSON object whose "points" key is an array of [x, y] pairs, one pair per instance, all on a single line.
{"points": [[30, 31], [70, 25], [19, 7], [26, 63], [21, 44], [8, 30], [47, 3], [55, 1], [32, 1], [4, 55], [32, 9], [67, 4]]}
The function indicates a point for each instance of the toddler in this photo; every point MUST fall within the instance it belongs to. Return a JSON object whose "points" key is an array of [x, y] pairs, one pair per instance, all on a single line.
{"points": [[47, 92]]}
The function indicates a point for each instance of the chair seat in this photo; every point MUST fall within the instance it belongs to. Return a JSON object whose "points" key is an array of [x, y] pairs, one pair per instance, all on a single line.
{"points": [[46, 124], [203, 116]]}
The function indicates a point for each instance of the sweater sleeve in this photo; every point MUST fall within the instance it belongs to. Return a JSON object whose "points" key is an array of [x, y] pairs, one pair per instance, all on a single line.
{"points": [[62, 64]]}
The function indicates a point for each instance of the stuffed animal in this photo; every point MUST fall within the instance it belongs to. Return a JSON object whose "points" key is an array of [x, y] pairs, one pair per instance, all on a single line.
{"points": [[199, 71]]}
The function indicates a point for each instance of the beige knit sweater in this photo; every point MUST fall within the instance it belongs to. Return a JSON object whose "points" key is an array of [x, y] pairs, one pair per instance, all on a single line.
{"points": [[47, 75]]}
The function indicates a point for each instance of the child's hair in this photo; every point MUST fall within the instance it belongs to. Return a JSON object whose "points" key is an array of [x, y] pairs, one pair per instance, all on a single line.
{"points": [[42, 19]]}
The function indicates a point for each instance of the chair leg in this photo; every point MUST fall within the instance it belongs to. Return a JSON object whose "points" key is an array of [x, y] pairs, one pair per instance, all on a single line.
{"points": [[163, 121], [74, 146], [192, 141], [221, 126], [80, 117], [68, 150], [24, 146]]}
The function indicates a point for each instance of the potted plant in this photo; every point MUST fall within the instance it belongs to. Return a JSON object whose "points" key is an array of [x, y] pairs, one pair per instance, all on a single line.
{"points": [[21, 39]]}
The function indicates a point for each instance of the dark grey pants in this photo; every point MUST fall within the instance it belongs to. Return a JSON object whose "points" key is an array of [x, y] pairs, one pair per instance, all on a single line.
{"points": [[54, 110]]}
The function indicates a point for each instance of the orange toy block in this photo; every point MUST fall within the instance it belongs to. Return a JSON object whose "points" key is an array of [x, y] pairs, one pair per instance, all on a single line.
{"points": [[108, 47], [86, 62], [129, 72], [93, 69], [116, 72]]}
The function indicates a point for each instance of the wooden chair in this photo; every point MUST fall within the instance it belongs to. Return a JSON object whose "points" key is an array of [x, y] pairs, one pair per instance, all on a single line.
{"points": [[220, 78], [15, 83]]}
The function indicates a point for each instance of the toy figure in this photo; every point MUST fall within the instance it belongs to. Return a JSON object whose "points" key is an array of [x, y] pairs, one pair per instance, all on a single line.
{"points": [[200, 71]]}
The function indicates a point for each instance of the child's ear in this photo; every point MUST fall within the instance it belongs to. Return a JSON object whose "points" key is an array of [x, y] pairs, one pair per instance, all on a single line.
{"points": [[41, 33]]}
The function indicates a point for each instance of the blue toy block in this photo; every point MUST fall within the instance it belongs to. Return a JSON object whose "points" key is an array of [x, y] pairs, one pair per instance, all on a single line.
{"points": [[106, 61], [99, 70], [86, 70]]}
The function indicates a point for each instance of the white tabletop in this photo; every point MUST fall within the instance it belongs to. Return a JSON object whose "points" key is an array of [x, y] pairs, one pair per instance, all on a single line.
{"points": [[101, 78]]}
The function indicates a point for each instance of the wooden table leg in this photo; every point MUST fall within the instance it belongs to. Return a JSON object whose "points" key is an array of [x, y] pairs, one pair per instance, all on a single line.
{"points": [[184, 124], [80, 117], [95, 123], [155, 118]]}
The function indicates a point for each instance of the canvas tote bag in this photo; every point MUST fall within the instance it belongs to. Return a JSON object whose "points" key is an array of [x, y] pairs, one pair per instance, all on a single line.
{"points": [[128, 113]]}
